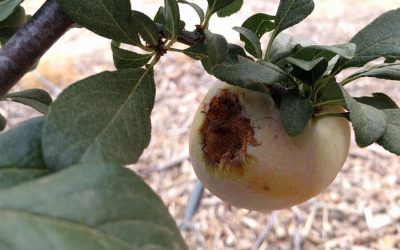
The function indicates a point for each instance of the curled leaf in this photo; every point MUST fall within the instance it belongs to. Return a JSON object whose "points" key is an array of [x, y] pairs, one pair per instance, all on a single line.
{"points": [[259, 23], [35, 98], [125, 59], [253, 45]]}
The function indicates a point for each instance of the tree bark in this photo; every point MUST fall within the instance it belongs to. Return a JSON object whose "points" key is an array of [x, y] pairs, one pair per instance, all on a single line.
{"points": [[30, 42]]}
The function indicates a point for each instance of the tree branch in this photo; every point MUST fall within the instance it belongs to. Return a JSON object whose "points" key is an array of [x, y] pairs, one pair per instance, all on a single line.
{"points": [[191, 37], [29, 43]]}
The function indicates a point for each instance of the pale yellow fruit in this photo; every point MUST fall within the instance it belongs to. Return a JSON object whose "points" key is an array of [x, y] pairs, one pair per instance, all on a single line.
{"points": [[242, 154]]}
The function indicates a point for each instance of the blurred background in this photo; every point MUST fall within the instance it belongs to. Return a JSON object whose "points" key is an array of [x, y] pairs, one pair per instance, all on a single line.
{"points": [[360, 210]]}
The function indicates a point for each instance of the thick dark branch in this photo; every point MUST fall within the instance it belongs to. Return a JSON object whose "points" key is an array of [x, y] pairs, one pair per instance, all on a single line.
{"points": [[191, 37], [21, 52], [185, 36]]}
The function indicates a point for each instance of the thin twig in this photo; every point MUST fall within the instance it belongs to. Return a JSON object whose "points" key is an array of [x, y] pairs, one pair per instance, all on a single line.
{"points": [[297, 238], [309, 221], [265, 231], [193, 204], [167, 166]]}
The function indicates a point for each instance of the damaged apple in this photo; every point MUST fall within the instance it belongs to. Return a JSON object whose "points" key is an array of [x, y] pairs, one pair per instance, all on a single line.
{"points": [[242, 153]]}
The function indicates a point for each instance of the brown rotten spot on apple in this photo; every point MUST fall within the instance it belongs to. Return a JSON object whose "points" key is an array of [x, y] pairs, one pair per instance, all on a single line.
{"points": [[227, 133]]}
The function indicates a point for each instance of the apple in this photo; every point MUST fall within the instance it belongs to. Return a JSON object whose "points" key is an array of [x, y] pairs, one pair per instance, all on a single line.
{"points": [[243, 155]]}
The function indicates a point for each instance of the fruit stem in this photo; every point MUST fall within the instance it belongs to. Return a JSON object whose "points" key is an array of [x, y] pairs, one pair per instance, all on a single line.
{"points": [[350, 79], [207, 18], [269, 47]]}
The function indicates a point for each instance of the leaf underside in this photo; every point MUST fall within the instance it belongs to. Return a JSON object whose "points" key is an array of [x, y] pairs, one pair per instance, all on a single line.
{"points": [[380, 38], [7, 7], [368, 122]]}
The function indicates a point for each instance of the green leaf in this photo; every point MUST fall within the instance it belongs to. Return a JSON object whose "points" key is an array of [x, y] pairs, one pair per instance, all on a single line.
{"points": [[216, 5], [308, 71], [20, 147], [385, 71], [12, 23], [230, 9], [332, 94], [391, 138], [234, 51], [108, 18], [125, 59], [391, 72], [10, 177], [259, 23], [7, 7], [35, 98], [145, 27], [3, 122], [182, 25], [291, 12], [249, 74], [87, 206], [306, 65], [295, 112], [253, 45], [197, 8], [217, 47], [380, 38], [159, 17], [378, 100], [103, 118], [390, 59], [368, 122], [197, 51], [21, 157], [284, 45], [172, 18], [312, 52]]}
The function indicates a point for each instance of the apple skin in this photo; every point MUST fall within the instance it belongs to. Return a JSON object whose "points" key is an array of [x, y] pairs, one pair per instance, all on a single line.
{"points": [[280, 171]]}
